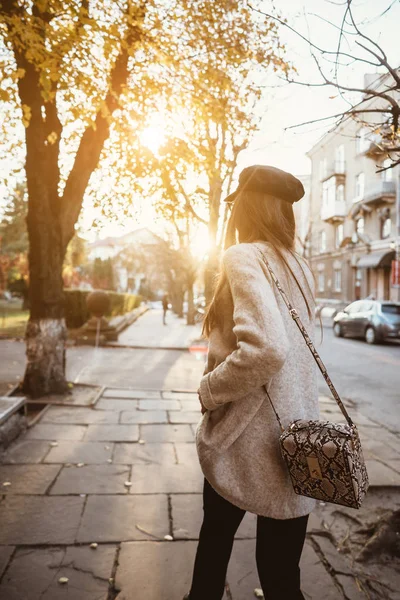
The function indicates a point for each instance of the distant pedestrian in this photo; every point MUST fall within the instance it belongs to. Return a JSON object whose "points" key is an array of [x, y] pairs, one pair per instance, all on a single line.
{"points": [[253, 342], [165, 307]]}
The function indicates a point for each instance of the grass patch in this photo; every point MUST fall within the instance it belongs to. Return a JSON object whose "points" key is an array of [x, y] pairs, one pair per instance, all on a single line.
{"points": [[13, 319]]}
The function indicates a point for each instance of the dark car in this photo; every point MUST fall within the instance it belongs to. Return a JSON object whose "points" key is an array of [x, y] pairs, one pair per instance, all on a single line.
{"points": [[369, 319]]}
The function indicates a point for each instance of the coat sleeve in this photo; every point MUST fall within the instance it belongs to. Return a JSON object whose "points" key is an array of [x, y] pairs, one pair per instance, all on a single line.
{"points": [[262, 341]]}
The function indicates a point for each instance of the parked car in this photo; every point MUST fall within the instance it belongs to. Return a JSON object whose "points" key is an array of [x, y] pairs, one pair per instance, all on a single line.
{"points": [[369, 319]]}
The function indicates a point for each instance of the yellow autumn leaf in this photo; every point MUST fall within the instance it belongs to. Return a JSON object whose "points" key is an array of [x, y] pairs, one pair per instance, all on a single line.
{"points": [[26, 115], [4, 95], [52, 137]]}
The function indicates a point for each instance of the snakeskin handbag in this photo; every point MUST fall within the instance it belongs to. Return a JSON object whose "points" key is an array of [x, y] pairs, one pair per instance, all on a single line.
{"points": [[324, 459]]}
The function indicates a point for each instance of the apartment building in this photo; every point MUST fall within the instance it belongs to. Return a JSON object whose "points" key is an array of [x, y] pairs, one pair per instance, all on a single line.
{"points": [[352, 236]]}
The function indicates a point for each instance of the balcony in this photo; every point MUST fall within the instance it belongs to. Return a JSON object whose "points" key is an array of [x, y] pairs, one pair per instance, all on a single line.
{"points": [[373, 148], [334, 211], [381, 193], [335, 169]]}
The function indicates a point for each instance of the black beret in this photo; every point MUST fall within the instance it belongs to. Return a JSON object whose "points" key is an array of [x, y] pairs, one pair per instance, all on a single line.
{"points": [[269, 180]]}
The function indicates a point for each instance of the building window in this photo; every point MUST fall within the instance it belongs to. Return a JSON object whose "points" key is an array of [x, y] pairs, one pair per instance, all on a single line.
{"points": [[322, 241], [360, 185], [325, 194], [321, 282], [340, 193], [386, 228], [339, 235], [339, 159], [322, 168], [388, 174], [362, 141], [360, 225], [337, 280]]}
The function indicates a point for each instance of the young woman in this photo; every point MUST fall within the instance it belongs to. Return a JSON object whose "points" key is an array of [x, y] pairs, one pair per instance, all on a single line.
{"points": [[253, 342]]}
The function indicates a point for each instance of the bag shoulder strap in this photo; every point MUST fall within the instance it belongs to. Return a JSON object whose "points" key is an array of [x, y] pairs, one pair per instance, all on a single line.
{"points": [[295, 316]]}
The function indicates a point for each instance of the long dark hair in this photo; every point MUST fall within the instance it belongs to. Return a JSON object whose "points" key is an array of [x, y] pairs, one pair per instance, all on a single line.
{"points": [[258, 217]]}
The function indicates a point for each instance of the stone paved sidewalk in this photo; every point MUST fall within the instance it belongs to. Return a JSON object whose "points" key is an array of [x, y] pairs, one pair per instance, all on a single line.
{"points": [[149, 332], [124, 475]]}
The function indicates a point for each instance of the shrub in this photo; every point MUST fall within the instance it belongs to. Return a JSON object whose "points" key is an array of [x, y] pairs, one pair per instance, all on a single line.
{"points": [[76, 312]]}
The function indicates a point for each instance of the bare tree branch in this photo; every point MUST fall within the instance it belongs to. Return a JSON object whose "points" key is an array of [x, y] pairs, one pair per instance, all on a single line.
{"points": [[309, 42]]}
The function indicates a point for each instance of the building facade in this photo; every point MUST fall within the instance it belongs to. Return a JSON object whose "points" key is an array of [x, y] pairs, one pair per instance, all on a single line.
{"points": [[353, 215]]}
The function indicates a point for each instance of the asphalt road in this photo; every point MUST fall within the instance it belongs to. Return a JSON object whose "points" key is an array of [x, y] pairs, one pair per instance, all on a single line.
{"points": [[368, 375]]}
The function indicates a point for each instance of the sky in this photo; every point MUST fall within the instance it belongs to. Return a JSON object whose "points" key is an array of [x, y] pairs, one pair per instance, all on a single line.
{"points": [[286, 105], [293, 104]]}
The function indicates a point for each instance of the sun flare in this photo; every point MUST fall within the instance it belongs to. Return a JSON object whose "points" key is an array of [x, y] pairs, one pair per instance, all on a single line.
{"points": [[200, 244], [152, 137]]}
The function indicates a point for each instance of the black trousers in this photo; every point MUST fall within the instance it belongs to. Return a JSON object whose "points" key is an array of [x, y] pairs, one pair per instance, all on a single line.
{"points": [[278, 549]]}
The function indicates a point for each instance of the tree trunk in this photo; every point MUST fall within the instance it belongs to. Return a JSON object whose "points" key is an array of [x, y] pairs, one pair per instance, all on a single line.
{"points": [[45, 351], [178, 307], [190, 311], [46, 331]]}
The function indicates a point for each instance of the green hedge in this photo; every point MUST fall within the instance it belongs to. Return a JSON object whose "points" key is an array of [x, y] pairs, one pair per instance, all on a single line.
{"points": [[76, 312]]}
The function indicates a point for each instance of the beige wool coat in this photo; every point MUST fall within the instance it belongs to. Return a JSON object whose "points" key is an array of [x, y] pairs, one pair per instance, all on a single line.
{"points": [[237, 438]]}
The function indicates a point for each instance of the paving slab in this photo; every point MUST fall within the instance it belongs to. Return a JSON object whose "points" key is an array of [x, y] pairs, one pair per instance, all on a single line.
{"points": [[380, 435], [116, 404], [25, 451], [131, 394], [166, 433], [39, 519], [184, 416], [192, 405], [187, 517], [155, 571], [80, 394], [379, 450], [190, 396], [381, 475], [187, 454], [27, 479], [112, 433], [351, 589], [159, 405], [333, 413], [144, 416], [80, 452], [79, 416], [394, 464], [173, 479], [34, 574], [243, 578], [5, 555], [115, 518], [315, 522], [159, 454], [336, 560], [92, 479], [47, 431]]}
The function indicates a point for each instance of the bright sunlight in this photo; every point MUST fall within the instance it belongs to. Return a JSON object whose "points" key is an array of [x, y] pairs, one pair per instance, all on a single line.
{"points": [[153, 137]]}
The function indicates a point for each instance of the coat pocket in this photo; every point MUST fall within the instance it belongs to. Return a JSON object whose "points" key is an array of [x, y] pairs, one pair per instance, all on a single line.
{"points": [[220, 428]]}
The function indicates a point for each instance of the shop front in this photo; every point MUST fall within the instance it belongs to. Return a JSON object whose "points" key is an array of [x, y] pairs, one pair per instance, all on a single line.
{"points": [[377, 267]]}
